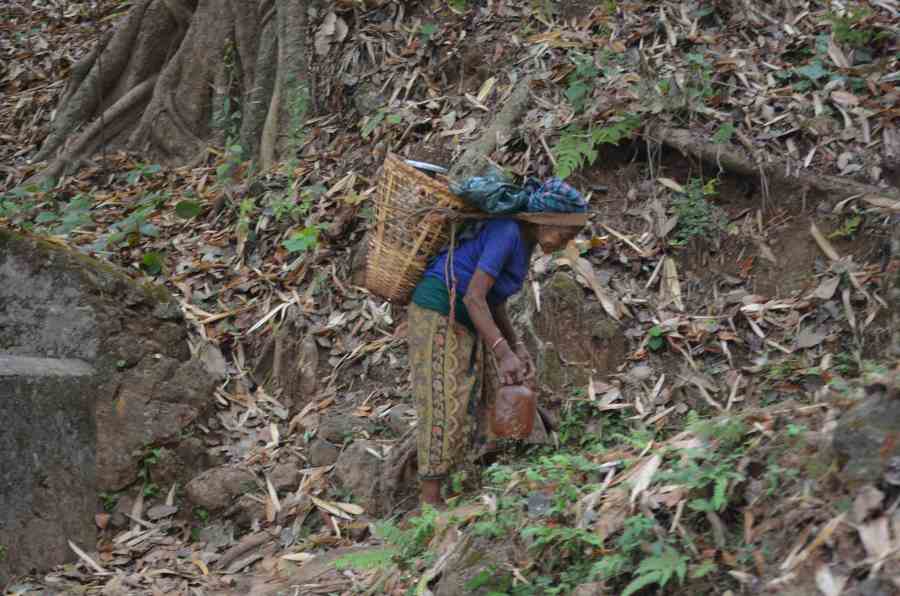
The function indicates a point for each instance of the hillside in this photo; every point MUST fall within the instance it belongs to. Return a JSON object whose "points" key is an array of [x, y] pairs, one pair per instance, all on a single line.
{"points": [[741, 160]]}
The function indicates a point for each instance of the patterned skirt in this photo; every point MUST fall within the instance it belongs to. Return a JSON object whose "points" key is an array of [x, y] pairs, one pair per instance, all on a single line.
{"points": [[449, 385]]}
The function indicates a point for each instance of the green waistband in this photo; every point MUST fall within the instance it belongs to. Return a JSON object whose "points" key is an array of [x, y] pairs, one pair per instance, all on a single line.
{"points": [[431, 293]]}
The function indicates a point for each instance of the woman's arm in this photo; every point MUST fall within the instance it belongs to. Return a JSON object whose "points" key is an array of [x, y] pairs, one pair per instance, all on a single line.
{"points": [[501, 317], [512, 371]]}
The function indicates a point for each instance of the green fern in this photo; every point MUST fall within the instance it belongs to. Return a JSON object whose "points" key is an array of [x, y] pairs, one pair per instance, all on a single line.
{"points": [[370, 559], [577, 147], [658, 569]]}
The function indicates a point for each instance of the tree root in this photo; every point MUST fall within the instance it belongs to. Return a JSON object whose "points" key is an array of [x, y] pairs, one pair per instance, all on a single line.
{"points": [[110, 123], [97, 75], [474, 158], [730, 158]]}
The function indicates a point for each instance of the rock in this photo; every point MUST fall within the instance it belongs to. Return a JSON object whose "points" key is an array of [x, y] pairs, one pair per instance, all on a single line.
{"points": [[323, 453], [48, 488], [539, 504], [470, 559], [285, 477], [145, 389], [873, 586], [592, 589], [216, 488], [247, 511], [867, 437], [124, 505], [289, 362], [571, 337], [359, 471], [401, 418], [339, 428]]}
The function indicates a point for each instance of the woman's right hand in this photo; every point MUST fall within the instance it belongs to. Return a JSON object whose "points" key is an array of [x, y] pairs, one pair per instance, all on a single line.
{"points": [[512, 370]]}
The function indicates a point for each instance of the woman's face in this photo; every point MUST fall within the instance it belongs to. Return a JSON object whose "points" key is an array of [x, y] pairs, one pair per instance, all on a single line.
{"points": [[553, 238]]}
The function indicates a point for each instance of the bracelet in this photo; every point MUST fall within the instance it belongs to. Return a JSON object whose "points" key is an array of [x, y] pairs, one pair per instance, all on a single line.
{"points": [[497, 342]]}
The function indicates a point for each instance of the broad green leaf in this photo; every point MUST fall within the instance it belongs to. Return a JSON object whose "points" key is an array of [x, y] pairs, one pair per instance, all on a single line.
{"points": [[188, 209], [303, 240], [45, 217], [152, 263]]}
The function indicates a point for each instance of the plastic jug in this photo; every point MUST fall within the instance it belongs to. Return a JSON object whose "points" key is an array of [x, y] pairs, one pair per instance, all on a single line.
{"points": [[512, 416]]}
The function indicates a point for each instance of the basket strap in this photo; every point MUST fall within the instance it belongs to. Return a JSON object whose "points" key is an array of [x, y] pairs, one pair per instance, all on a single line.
{"points": [[451, 276], [548, 219]]}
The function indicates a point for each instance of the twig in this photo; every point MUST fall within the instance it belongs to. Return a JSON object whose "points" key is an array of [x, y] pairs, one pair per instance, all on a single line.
{"points": [[89, 561], [247, 544]]}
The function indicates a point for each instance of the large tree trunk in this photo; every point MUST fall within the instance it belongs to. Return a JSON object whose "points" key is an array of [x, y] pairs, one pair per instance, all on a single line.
{"points": [[177, 75]]}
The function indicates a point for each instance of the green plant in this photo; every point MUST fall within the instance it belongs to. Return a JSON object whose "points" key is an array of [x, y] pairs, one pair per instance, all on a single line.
{"points": [[403, 545], [664, 563], [577, 147], [152, 262], [697, 217], [458, 6], [2, 552], [304, 240], [723, 134], [426, 31], [201, 514], [580, 82], [657, 338], [848, 28], [231, 162], [369, 559], [75, 213], [848, 228], [110, 500], [151, 490], [141, 171]]}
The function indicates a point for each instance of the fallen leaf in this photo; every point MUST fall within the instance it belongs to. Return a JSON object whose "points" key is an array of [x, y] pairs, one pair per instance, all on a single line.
{"points": [[876, 537], [644, 476], [828, 583]]}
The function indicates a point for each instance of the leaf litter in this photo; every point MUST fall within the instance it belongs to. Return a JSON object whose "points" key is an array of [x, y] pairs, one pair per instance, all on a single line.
{"points": [[781, 83]]}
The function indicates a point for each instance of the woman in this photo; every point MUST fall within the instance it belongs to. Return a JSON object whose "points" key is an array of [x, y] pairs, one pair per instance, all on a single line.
{"points": [[450, 361]]}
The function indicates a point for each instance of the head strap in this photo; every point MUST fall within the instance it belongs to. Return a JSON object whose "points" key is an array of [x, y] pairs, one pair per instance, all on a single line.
{"points": [[553, 219]]}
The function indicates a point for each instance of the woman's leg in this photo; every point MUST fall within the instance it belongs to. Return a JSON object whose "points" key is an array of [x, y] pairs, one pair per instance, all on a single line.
{"points": [[443, 379]]}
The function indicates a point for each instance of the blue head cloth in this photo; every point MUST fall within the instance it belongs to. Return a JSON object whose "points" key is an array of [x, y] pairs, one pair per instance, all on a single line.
{"points": [[554, 196]]}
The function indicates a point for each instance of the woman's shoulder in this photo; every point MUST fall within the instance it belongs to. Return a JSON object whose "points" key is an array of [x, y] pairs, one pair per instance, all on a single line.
{"points": [[505, 227]]}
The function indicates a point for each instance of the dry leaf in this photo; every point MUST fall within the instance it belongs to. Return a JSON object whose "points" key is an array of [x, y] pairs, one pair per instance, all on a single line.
{"points": [[826, 288], [644, 476], [828, 583], [876, 537], [670, 184]]}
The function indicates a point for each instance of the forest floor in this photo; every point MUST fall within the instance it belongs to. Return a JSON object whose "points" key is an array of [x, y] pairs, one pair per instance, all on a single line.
{"points": [[752, 303]]}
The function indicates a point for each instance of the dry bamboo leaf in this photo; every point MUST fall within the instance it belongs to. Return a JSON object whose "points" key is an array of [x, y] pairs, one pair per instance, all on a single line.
{"points": [[586, 270], [867, 501], [882, 203], [298, 557], [826, 288], [670, 184], [828, 583], [823, 536], [350, 508], [671, 284], [84, 557], [876, 537], [837, 55], [330, 507], [644, 476], [823, 243]]}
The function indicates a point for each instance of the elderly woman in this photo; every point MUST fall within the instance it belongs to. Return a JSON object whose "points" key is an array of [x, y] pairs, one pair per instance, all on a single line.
{"points": [[457, 367]]}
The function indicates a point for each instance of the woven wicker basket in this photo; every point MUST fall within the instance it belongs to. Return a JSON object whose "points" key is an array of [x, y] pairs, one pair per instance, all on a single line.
{"points": [[406, 236]]}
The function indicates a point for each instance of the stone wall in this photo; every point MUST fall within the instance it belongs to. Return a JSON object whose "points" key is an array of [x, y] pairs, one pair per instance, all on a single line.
{"points": [[95, 369]]}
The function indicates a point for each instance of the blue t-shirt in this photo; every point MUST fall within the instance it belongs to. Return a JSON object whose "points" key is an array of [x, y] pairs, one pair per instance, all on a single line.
{"points": [[499, 250]]}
